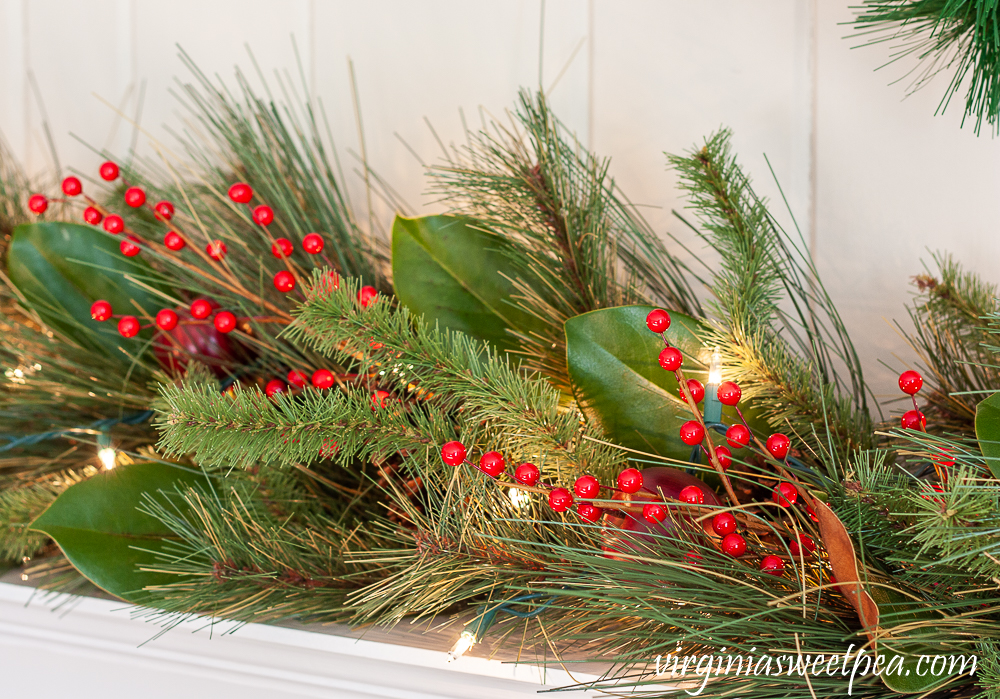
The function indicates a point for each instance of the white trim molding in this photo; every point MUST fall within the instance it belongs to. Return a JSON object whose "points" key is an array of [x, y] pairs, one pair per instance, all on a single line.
{"points": [[89, 647]]}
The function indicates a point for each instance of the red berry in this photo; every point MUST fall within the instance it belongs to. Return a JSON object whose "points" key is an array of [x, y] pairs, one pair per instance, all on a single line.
{"points": [[453, 453], [778, 444], [166, 319], [671, 358], [297, 378], [313, 243], [92, 216], [284, 281], [785, 494], [560, 499], [71, 186], [135, 197], [692, 494], [164, 211], [128, 326], [201, 309], [100, 311], [114, 224], [811, 513], [695, 388], [734, 544], [216, 249], [274, 386], [723, 523], [241, 193], [323, 378], [492, 464], [128, 248], [526, 474], [587, 487], [109, 171], [367, 296], [378, 399], [282, 247], [37, 203], [224, 322], [914, 420], [173, 241], [693, 557], [588, 512], [630, 481], [692, 432], [654, 513], [738, 436], [729, 393], [807, 543], [910, 382], [772, 565], [263, 215], [724, 456], [658, 321]]}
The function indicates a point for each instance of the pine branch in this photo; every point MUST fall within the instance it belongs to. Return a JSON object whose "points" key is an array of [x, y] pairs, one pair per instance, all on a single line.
{"points": [[571, 228], [244, 427], [960, 36], [955, 321], [785, 364], [520, 416]]}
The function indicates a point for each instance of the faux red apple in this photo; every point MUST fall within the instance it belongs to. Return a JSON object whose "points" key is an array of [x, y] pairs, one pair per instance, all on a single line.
{"points": [[658, 479], [199, 342]]}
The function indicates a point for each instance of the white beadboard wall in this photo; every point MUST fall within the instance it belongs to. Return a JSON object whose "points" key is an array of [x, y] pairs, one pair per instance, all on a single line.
{"points": [[875, 180]]}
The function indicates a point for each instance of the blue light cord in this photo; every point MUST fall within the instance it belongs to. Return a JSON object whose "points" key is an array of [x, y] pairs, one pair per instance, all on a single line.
{"points": [[488, 614], [98, 428]]}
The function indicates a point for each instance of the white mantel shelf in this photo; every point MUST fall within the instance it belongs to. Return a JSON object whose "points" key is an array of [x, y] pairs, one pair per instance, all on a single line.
{"points": [[89, 648]]}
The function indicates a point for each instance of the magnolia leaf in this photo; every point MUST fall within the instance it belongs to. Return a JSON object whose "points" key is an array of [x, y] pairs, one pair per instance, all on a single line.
{"points": [[988, 431], [613, 361], [100, 529], [62, 268], [844, 561], [455, 274]]}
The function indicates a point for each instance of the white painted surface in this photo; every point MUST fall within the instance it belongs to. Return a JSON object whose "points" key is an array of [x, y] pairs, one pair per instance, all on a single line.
{"points": [[92, 649], [875, 179]]}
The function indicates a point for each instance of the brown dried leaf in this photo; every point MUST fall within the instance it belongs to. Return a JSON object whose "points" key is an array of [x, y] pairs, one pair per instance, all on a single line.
{"points": [[844, 561]]}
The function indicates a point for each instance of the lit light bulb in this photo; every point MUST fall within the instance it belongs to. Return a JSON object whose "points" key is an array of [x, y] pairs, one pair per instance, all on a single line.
{"points": [[463, 645], [519, 498], [715, 369], [107, 457]]}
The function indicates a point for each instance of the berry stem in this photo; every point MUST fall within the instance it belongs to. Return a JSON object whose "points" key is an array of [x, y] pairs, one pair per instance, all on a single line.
{"points": [[712, 456]]}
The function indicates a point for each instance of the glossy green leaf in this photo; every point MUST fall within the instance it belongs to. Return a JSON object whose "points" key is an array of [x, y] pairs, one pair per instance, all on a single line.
{"points": [[988, 431], [613, 362], [62, 268], [459, 276], [100, 529], [902, 668]]}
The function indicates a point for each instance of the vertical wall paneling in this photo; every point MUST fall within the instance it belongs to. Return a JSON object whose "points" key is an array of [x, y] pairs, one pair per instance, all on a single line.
{"points": [[873, 179], [894, 183], [14, 75]]}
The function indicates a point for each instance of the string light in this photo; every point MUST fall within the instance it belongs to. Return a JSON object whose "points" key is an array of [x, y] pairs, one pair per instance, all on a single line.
{"points": [[715, 369], [519, 498], [713, 407], [463, 645], [108, 457]]}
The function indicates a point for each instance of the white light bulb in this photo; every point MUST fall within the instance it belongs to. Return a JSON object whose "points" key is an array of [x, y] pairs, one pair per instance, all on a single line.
{"points": [[715, 368], [518, 497], [107, 456], [463, 645]]}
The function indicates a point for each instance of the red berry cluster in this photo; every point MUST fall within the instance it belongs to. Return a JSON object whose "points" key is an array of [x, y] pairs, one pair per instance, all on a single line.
{"points": [[527, 475], [174, 239], [910, 383], [693, 432]]}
